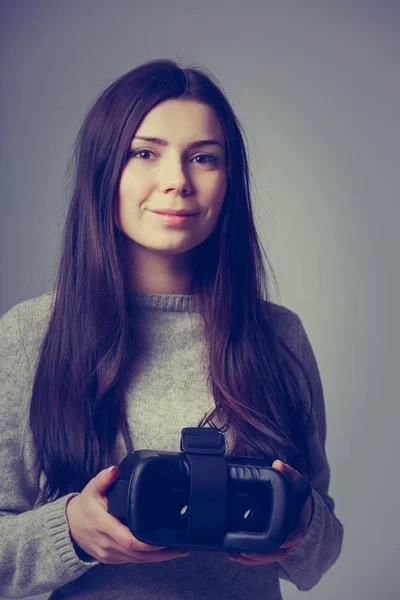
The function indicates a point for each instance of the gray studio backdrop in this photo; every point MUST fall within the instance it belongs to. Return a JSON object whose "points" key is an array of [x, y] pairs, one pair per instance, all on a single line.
{"points": [[317, 87]]}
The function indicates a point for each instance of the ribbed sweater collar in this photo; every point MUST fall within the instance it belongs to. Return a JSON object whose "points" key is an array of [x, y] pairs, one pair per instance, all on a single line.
{"points": [[162, 302]]}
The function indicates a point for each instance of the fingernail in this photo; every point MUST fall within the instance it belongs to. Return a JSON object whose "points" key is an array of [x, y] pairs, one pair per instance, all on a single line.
{"points": [[183, 554], [110, 469]]}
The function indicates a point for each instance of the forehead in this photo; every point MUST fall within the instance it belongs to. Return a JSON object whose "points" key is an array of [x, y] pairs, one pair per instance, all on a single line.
{"points": [[181, 119]]}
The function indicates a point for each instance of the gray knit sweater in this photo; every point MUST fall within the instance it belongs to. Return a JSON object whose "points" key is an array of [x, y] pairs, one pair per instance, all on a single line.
{"points": [[168, 392]]}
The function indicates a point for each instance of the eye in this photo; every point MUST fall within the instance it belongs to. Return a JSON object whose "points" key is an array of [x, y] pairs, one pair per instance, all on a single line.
{"points": [[212, 158], [137, 153]]}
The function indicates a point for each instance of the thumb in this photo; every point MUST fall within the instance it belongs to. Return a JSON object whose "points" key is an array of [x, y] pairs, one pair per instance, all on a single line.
{"points": [[279, 465], [104, 479], [287, 470]]}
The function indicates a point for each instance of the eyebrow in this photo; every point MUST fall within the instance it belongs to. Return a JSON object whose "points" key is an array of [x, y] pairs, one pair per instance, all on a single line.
{"points": [[197, 144]]}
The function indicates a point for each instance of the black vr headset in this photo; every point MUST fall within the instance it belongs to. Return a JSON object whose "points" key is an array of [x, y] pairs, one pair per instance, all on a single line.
{"points": [[201, 499]]}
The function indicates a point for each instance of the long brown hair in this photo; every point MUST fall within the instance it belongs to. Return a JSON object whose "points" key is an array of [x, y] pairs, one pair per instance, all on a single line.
{"points": [[78, 397]]}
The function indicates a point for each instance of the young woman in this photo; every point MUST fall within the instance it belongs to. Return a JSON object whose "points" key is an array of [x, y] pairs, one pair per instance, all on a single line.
{"points": [[158, 321]]}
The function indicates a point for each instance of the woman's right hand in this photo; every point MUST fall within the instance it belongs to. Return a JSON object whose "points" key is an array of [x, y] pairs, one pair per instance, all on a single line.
{"points": [[102, 535]]}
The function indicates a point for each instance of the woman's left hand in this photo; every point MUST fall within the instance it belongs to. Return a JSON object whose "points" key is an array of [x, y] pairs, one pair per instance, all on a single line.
{"points": [[293, 540]]}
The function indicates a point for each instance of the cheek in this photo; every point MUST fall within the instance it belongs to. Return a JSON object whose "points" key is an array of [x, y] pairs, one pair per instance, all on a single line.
{"points": [[222, 187], [117, 219], [123, 200], [214, 190], [126, 187], [131, 191], [127, 194], [219, 197]]}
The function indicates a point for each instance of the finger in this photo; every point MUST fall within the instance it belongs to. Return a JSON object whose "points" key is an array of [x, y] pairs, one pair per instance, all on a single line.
{"points": [[264, 555], [116, 558], [103, 480], [286, 469], [162, 556], [255, 558], [294, 538], [111, 554], [122, 536]]}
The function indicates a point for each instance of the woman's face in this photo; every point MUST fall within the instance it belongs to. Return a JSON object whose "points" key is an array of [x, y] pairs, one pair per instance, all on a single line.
{"points": [[173, 176]]}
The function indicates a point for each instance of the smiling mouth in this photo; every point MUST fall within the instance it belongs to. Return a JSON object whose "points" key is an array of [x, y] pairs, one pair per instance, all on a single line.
{"points": [[174, 219], [159, 212]]}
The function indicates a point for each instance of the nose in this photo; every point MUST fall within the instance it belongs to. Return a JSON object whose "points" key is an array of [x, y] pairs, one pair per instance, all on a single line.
{"points": [[175, 177]]}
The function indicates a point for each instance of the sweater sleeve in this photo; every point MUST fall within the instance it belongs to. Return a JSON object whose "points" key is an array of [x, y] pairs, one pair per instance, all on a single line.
{"points": [[322, 544], [36, 550]]}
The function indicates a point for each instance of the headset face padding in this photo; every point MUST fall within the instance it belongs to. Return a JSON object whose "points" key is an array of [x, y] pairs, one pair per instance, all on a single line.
{"points": [[201, 499], [166, 498]]}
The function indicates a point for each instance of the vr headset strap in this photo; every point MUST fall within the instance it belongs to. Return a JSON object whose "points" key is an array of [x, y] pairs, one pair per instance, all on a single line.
{"points": [[204, 448]]}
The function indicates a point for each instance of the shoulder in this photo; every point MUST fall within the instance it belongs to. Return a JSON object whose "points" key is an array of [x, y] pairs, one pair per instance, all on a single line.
{"points": [[285, 323], [23, 326], [33, 312], [280, 315]]}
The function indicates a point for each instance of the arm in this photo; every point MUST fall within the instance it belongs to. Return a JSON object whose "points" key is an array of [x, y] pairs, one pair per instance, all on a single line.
{"points": [[36, 551], [322, 544]]}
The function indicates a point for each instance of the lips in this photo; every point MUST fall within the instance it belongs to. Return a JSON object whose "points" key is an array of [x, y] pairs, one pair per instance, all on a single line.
{"points": [[178, 213], [169, 219]]}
